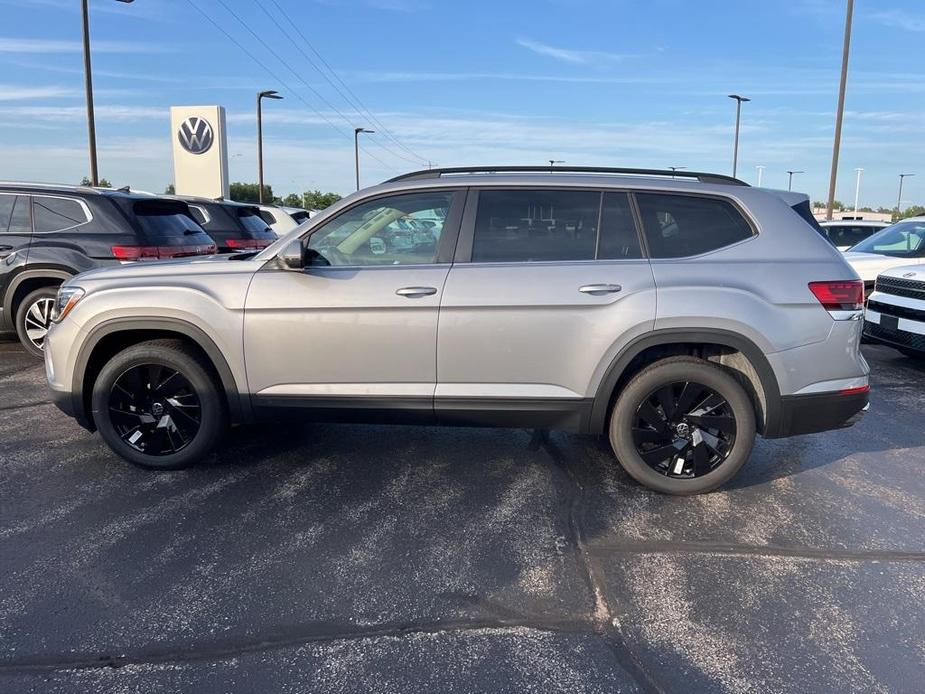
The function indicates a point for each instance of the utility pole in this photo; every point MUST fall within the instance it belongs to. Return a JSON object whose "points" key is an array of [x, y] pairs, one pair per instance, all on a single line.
{"points": [[840, 112], [735, 149], [270, 94], [899, 200], [356, 150]]}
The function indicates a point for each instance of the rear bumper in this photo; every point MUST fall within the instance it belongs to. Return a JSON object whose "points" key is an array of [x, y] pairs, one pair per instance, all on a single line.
{"points": [[810, 414]]}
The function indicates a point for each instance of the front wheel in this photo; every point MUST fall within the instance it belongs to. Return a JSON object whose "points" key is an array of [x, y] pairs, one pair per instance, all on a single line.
{"points": [[157, 405], [682, 426], [33, 319]]}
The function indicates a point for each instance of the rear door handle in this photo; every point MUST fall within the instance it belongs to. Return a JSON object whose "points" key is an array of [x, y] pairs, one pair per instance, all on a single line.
{"points": [[600, 289], [416, 292]]}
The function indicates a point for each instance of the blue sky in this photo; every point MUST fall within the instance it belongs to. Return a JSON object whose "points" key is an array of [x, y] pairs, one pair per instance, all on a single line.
{"points": [[618, 82]]}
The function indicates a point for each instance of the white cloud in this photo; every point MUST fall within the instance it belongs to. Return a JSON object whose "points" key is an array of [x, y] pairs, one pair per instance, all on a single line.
{"points": [[45, 46], [899, 19], [569, 55], [13, 92]]}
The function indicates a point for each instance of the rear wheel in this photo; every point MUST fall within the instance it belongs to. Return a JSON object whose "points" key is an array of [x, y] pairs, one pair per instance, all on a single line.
{"points": [[682, 426], [157, 405], [33, 319]]}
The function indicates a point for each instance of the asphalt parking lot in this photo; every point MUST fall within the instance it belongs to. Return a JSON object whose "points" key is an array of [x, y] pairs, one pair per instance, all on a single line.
{"points": [[360, 558]]}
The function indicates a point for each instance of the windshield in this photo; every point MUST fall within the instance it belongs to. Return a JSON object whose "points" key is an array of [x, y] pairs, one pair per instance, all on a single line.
{"points": [[902, 240]]}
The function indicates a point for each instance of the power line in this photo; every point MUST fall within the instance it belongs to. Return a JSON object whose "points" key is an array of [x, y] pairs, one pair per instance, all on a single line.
{"points": [[358, 105], [266, 69]]}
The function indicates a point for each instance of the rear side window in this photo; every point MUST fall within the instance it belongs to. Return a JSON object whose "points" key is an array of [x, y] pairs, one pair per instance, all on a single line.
{"points": [[160, 221], [57, 214], [619, 240], [20, 219], [678, 226], [197, 214], [6, 211], [535, 225]]}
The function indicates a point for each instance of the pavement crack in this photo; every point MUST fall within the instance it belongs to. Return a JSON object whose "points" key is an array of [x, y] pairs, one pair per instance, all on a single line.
{"points": [[603, 620], [23, 405]]}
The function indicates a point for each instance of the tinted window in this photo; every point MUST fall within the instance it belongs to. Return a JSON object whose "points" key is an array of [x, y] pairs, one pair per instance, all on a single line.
{"points": [[848, 235], [20, 220], [55, 214], [160, 221], [678, 226], [197, 214], [252, 221], [300, 216], [619, 239], [535, 225], [6, 211], [267, 217], [902, 240], [383, 232]]}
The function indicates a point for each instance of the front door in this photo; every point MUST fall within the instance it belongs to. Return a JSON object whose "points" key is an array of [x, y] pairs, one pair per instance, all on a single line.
{"points": [[15, 237], [356, 330]]}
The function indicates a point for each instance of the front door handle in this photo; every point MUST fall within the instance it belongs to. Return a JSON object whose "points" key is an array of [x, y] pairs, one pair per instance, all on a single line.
{"points": [[5, 251], [416, 292], [600, 289]]}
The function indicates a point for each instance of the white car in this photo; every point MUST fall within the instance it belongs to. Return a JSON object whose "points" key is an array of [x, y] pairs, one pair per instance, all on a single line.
{"points": [[283, 219], [902, 243], [895, 313], [845, 233]]}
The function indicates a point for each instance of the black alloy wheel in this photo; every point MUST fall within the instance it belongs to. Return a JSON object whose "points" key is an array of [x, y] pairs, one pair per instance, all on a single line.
{"points": [[154, 409], [684, 430]]}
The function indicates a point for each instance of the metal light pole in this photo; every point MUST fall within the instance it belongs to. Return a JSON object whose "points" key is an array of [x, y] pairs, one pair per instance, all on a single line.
{"points": [[840, 112], [356, 150], [88, 83], [735, 149], [899, 200], [760, 174], [857, 190], [790, 181], [553, 162], [269, 94], [676, 168]]}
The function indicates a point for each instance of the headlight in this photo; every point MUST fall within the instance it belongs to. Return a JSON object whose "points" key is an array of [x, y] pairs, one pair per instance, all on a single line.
{"points": [[66, 300]]}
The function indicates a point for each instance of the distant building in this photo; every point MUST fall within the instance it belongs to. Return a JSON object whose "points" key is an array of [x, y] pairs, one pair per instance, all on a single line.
{"points": [[819, 214]]}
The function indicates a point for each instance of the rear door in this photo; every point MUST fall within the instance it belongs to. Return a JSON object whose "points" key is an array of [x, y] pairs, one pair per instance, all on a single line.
{"points": [[547, 286], [15, 237]]}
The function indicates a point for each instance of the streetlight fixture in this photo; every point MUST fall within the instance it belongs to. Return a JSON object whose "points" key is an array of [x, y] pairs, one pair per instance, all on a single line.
{"points": [[760, 174], [790, 181], [735, 150], [268, 94], [676, 168], [553, 162], [88, 83], [840, 111], [857, 190], [899, 200], [356, 150]]}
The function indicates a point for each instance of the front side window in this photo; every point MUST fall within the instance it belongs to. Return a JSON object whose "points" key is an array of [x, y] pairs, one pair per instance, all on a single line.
{"points": [[57, 214], [536, 225], [384, 231], [902, 240], [679, 226]]}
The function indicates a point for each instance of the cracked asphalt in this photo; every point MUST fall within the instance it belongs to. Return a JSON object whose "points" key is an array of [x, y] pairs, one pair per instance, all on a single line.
{"points": [[345, 558]]}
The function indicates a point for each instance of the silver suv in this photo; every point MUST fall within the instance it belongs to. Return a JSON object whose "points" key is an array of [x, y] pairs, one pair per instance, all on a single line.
{"points": [[678, 313]]}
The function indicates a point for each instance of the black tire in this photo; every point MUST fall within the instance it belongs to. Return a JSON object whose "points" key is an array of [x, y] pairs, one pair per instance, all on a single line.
{"points": [[711, 454], [33, 318], [137, 383]]}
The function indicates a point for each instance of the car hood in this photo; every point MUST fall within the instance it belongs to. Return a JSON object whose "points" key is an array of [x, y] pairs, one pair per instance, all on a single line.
{"points": [[156, 269], [869, 265]]}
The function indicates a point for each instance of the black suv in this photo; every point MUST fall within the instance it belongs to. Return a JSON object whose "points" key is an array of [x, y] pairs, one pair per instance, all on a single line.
{"points": [[49, 233], [235, 226]]}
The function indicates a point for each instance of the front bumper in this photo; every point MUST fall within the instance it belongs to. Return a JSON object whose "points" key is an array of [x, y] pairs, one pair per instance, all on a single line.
{"points": [[815, 412]]}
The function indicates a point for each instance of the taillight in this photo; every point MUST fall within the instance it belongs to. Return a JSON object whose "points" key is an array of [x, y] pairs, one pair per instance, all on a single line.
{"points": [[857, 390], [130, 253], [844, 295], [248, 244]]}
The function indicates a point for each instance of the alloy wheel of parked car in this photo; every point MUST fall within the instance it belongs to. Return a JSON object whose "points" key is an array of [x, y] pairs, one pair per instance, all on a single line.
{"points": [[33, 319], [682, 426], [158, 405]]}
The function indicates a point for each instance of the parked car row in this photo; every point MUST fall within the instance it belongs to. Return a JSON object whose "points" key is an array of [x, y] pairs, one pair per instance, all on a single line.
{"points": [[49, 233]]}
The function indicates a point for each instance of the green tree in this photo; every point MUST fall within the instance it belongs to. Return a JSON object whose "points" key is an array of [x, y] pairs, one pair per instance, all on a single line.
{"points": [[316, 200], [249, 192], [914, 211], [171, 189], [103, 182], [292, 200]]}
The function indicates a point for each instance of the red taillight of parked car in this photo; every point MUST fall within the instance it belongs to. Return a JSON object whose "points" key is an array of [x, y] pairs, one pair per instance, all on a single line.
{"points": [[248, 244], [844, 295], [130, 253]]}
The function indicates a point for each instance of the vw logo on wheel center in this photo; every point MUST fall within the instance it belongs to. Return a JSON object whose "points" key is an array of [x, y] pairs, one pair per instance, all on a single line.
{"points": [[195, 135]]}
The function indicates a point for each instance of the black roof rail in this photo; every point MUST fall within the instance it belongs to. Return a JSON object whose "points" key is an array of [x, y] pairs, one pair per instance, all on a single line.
{"points": [[700, 176]]}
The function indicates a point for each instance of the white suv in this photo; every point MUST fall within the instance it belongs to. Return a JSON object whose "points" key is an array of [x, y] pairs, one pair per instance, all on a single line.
{"points": [[895, 313], [900, 244]]}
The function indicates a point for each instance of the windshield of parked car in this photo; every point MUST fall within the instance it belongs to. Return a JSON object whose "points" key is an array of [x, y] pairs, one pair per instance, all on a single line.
{"points": [[902, 240]]}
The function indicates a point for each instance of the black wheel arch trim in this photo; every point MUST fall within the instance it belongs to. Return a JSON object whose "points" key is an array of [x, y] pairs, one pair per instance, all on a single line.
{"points": [[54, 274], [770, 428], [239, 405]]}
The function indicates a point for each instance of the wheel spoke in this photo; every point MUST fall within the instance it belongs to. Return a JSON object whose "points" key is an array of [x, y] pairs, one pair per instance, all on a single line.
{"points": [[660, 454], [727, 425], [652, 417], [649, 436], [689, 395], [666, 400], [702, 459]]}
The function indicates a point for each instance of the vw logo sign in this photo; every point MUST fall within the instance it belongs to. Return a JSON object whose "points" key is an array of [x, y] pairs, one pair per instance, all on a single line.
{"points": [[195, 135], [909, 274]]}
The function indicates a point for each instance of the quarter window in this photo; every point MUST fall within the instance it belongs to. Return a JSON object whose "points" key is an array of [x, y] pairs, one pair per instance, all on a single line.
{"points": [[678, 226], [6, 211], [536, 225], [386, 231], [56, 214], [20, 220]]}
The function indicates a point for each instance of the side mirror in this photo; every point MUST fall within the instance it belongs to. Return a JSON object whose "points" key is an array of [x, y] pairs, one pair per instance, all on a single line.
{"points": [[293, 255]]}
